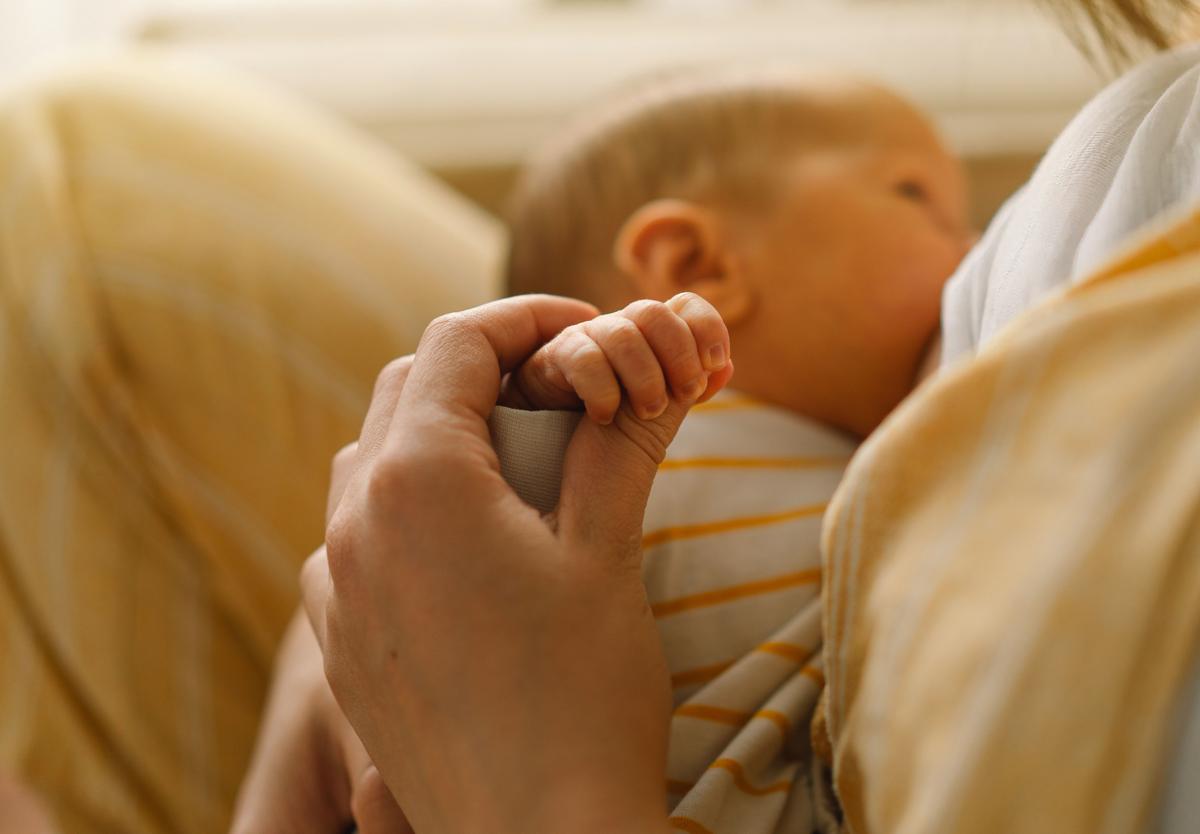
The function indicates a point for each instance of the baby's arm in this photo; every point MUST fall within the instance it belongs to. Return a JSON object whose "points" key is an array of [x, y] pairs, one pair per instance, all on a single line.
{"points": [[648, 351]]}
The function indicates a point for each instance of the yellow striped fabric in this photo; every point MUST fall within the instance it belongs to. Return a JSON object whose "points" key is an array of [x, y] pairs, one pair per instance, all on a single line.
{"points": [[732, 570], [1013, 568], [198, 283]]}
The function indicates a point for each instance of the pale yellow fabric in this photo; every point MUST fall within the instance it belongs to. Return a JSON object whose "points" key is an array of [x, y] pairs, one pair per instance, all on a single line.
{"points": [[1013, 568], [732, 572], [199, 280]]}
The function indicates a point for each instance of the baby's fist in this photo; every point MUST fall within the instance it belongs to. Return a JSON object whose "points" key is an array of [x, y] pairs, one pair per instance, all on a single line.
{"points": [[651, 350]]}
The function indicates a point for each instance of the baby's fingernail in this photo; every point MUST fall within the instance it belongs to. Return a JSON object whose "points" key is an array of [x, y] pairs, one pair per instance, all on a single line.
{"points": [[716, 357], [694, 388], [654, 409]]}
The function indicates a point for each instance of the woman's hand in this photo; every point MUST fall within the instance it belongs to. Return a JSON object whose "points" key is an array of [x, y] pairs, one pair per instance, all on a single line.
{"points": [[504, 677]]}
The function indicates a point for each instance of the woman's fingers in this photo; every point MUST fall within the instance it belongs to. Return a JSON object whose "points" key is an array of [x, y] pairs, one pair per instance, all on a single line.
{"points": [[374, 808], [389, 385], [462, 356], [446, 393], [339, 475], [606, 480], [315, 587]]}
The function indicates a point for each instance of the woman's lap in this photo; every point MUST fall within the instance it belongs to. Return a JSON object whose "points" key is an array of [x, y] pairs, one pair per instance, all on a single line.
{"points": [[181, 357]]}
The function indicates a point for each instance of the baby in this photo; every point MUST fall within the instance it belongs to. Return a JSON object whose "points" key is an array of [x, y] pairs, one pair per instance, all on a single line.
{"points": [[818, 217]]}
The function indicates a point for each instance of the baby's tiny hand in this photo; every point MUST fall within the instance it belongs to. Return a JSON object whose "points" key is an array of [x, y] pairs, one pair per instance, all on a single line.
{"points": [[640, 350]]}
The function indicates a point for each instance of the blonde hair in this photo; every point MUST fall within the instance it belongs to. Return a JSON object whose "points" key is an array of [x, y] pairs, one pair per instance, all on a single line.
{"points": [[1124, 28], [711, 136]]}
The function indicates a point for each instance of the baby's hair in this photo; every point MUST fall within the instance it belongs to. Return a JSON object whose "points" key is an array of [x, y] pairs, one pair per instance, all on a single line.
{"points": [[711, 136]]}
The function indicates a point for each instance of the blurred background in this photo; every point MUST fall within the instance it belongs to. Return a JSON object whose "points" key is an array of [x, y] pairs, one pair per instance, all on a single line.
{"points": [[465, 87]]}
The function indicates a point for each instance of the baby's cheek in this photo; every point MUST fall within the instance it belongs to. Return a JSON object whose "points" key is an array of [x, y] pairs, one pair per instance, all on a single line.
{"points": [[932, 259], [910, 308]]}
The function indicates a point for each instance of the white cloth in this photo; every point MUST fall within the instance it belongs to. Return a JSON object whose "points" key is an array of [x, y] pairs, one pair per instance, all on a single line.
{"points": [[1129, 157], [531, 446]]}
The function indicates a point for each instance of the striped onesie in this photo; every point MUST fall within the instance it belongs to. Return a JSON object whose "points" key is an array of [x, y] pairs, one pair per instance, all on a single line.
{"points": [[732, 570]]}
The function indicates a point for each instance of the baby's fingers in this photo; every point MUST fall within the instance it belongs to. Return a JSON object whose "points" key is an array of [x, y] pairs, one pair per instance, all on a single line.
{"points": [[569, 369], [688, 337], [634, 363], [709, 333], [587, 370]]}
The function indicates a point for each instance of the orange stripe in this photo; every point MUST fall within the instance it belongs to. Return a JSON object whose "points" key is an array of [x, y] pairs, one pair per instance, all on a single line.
{"points": [[754, 463], [749, 589], [727, 404], [733, 717], [780, 720], [789, 650], [693, 531], [677, 787], [702, 674], [743, 784], [688, 825], [717, 714]]}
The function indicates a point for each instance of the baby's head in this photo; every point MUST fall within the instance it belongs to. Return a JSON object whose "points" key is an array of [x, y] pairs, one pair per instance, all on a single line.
{"points": [[820, 215]]}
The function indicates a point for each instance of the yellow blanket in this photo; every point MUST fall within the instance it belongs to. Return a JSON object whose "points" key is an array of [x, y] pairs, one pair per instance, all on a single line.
{"points": [[1012, 568], [199, 281]]}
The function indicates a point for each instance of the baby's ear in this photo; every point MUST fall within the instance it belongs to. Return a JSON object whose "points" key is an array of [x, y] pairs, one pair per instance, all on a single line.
{"points": [[670, 246]]}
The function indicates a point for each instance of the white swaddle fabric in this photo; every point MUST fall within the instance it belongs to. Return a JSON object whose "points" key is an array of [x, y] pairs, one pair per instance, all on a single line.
{"points": [[531, 446], [1130, 156]]}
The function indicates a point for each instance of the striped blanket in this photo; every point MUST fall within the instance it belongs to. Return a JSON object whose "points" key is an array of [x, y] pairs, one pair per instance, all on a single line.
{"points": [[732, 570]]}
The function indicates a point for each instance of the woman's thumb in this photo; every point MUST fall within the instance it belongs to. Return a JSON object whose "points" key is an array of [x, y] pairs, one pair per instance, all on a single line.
{"points": [[608, 473]]}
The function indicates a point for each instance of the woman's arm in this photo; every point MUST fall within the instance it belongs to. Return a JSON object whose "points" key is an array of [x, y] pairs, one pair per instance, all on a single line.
{"points": [[310, 773]]}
